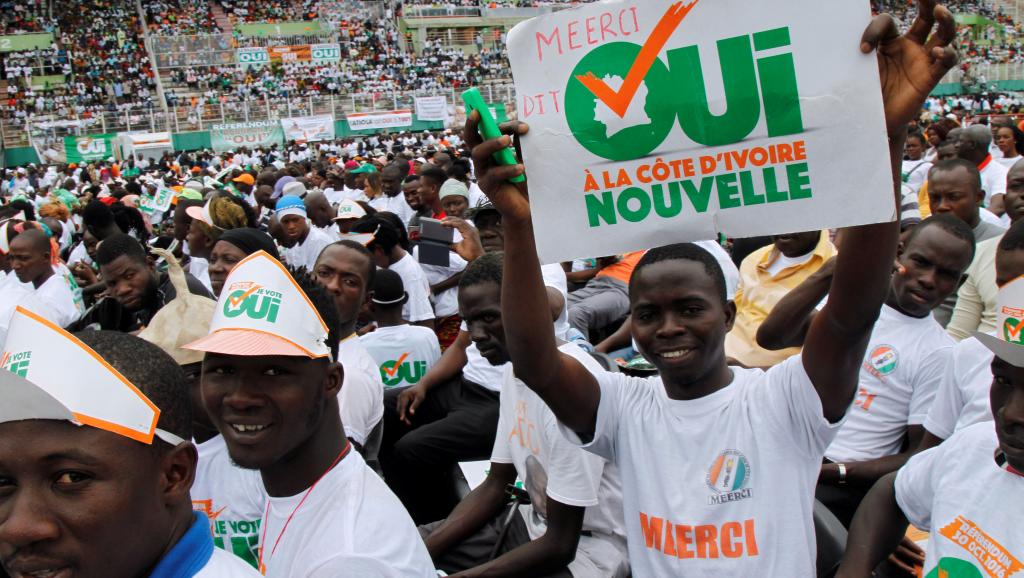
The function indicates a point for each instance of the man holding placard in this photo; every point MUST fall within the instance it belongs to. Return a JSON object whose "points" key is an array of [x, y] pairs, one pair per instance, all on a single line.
{"points": [[718, 463]]}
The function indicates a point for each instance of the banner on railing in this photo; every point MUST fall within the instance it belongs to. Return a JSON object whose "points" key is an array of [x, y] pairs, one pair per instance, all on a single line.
{"points": [[432, 108], [380, 120], [308, 128], [232, 136], [326, 52], [18, 42], [298, 53], [78, 149], [253, 56]]}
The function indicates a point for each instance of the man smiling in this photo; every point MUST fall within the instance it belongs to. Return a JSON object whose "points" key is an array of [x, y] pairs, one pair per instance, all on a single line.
{"points": [[94, 467], [967, 491], [736, 503], [271, 385]]}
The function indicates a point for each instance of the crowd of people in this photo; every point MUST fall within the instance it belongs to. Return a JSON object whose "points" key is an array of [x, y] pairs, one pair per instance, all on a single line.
{"points": [[291, 360]]}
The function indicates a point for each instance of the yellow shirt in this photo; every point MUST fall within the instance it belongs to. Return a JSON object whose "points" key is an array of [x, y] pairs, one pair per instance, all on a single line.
{"points": [[923, 203], [757, 295]]}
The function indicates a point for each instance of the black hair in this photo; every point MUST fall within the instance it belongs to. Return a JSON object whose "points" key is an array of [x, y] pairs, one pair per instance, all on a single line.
{"points": [[129, 220], [950, 165], [385, 235], [97, 215], [119, 245], [459, 170], [434, 173], [486, 269], [38, 238], [152, 371], [410, 179], [1013, 240], [918, 135], [948, 223], [23, 206], [396, 222], [323, 302], [371, 265], [684, 252]]}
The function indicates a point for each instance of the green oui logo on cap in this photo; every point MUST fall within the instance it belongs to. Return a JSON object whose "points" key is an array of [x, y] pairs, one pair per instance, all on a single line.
{"points": [[16, 363], [254, 301]]}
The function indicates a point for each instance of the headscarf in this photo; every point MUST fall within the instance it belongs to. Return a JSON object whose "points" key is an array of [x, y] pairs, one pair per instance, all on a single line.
{"points": [[250, 241]]}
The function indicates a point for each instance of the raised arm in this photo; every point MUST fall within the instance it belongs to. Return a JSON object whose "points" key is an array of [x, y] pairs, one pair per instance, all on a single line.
{"points": [[563, 383], [787, 324], [910, 66]]}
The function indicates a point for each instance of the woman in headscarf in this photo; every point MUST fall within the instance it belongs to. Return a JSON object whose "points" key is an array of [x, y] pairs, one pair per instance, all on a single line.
{"points": [[233, 246]]}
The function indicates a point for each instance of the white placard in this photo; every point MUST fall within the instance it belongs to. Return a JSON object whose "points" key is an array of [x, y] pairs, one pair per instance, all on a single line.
{"points": [[653, 122]]}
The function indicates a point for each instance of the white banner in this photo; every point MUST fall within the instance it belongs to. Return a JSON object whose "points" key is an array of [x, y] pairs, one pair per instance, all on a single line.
{"points": [[380, 120], [654, 122], [308, 128], [431, 108], [325, 52], [247, 56]]}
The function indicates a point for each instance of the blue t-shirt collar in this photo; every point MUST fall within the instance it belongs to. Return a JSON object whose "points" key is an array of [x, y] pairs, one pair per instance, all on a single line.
{"points": [[190, 554]]}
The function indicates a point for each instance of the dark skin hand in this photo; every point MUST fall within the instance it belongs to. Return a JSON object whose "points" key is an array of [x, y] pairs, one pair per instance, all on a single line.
{"points": [[910, 66]]}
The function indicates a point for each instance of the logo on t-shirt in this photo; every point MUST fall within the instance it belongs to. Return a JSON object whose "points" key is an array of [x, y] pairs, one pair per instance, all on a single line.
{"points": [[16, 363], [882, 360], [402, 370], [729, 477], [240, 537], [1012, 331], [252, 299], [997, 560]]}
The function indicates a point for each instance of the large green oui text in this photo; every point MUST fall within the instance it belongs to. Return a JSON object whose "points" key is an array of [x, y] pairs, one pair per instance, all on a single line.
{"points": [[677, 92], [256, 305]]}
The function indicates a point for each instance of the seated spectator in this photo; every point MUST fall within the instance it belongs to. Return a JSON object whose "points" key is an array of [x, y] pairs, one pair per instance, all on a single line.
{"points": [[350, 522], [965, 492], [346, 269], [404, 352], [907, 356], [135, 290], [572, 525], [975, 308], [122, 485], [389, 254], [605, 298], [301, 242], [33, 257], [766, 276]]}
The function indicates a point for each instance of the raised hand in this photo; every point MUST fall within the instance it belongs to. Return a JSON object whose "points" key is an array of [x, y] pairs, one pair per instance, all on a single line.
{"points": [[911, 64], [512, 200]]}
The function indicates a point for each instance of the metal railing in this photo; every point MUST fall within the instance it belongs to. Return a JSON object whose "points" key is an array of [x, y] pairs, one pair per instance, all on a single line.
{"points": [[188, 118]]}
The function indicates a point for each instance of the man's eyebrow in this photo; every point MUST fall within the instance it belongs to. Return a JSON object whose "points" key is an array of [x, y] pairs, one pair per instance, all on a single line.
{"points": [[72, 454]]}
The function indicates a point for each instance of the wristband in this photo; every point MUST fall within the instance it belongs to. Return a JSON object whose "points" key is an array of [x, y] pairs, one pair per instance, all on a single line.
{"points": [[842, 473]]}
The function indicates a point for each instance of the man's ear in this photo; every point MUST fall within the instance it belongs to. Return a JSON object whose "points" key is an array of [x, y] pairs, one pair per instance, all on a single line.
{"points": [[177, 471], [334, 379], [730, 315]]}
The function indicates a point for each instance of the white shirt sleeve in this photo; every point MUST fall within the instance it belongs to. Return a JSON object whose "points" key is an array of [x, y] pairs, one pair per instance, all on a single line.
{"points": [[353, 565], [915, 486], [574, 475], [927, 380], [615, 388], [418, 307], [946, 407], [790, 401]]}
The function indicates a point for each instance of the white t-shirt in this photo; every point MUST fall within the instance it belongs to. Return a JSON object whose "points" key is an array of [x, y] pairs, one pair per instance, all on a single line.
{"points": [[446, 303], [200, 269], [79, 254], [14, 294], [963, 396], [331, 231], [362, 392], [418, 307], [480, 371], [350, 525], [783, 262], [224, 565], [477, 196], [305, 254], [905, 361], [993, 180], [61, 293], [970, 505], [232, 498], [404, 353], [552, 468], [720, 486], [396, 205], [1008, 162], [915, 173]]}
